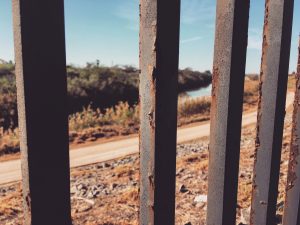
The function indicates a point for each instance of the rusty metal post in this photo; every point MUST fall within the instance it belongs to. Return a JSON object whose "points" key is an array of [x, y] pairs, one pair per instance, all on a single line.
{"points": [[226, 110], [291, 206], [42, 106], [159, 47], [271, 109]]}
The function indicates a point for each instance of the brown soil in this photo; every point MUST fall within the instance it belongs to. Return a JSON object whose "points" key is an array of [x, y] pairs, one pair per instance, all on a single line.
{"points": [[117, 202]]}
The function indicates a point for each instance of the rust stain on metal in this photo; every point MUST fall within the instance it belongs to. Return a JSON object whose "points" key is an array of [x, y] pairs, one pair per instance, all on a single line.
{"points": [[270, 116], [259, 116], [292, 186], [151, 119], [265, 44], [152, 122], [294, 149], [152, 78], [159, 40], [215, 80], [214, 90], [226, 109], [263, 203], [260, 91], [154, 29], [28, 201], [151, 205], [151, 180], [40, 42]]}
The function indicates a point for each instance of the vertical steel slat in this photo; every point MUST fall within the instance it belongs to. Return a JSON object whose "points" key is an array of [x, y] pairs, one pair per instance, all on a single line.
{"points": [[159, 47], [291, 206], [226, 110], [42, 106], [271, 109]]}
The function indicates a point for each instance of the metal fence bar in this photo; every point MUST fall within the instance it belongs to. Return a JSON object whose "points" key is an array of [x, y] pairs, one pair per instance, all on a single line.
{"points": [[271, 109], [159, 47], [291, 206], [42, 106], [226, 109]]}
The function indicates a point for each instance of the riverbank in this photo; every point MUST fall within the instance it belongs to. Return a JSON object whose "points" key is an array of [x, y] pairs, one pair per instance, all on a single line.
{"points": [[107, 193], [122, 120], [94, 86]]}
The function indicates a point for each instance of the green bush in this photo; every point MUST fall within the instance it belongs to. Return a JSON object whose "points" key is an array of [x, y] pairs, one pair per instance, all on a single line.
{"points": [[101, 87], [6, 68], [92, 86], [8, 101], [189, 79]]}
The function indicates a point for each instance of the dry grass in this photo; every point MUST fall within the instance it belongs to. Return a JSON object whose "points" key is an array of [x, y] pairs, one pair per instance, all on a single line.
{"points": [[123, 119], [291, 82], [192, 106], [9, 141], [251, 89], [121, 207], [122, 114]]}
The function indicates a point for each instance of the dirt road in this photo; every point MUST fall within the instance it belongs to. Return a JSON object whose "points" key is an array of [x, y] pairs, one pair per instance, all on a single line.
{"points": [[10, 171]]}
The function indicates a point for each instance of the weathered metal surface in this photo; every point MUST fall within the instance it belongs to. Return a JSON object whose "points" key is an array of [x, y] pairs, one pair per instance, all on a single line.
{"points": [[42, 106], [226, 109], [271, 109], [291, 206], [159, 47]]}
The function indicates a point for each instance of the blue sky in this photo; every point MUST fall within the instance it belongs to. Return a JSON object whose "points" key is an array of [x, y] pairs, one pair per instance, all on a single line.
{"points": [[108, 31]]}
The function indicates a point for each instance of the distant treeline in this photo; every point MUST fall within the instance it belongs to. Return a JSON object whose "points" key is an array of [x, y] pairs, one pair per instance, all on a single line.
{"points": [[94, 85]]}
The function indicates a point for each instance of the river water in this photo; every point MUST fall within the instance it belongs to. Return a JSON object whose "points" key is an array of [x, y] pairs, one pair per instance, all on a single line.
{"points": [[205, 91]]}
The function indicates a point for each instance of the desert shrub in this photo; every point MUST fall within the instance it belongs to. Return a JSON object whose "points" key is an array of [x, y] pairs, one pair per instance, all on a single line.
{"points": [[252, 77], [193, 106], [6, 68], [189, 79], [9, 141], [122, 114], [251, 89], [8, 102], [8, 111], [85, 119], [93, 86], [292, 82], [101, 87]]}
